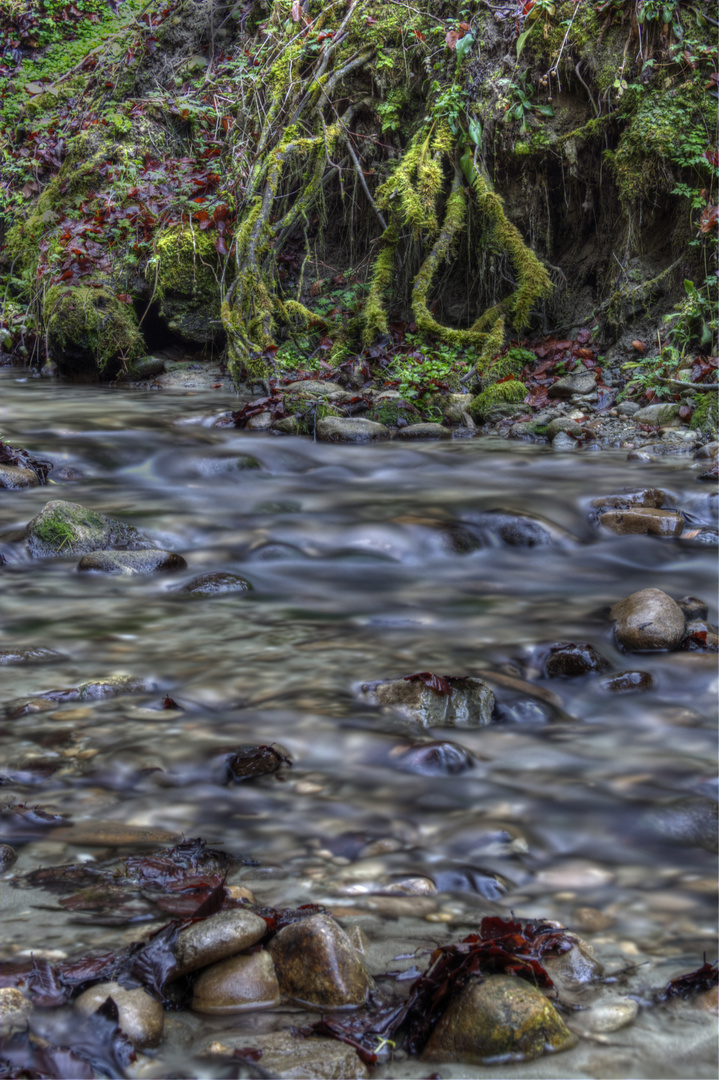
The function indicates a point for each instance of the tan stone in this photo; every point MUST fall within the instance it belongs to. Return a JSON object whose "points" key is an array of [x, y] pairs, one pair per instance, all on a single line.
{"points": [[317, 964], [501, 1016], [642, 520], [140, 1016], [216, 938], [648, 620], [237, 985]]}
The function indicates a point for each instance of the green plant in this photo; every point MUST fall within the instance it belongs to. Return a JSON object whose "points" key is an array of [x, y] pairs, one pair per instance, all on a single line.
{"points": [[55, 532], [647, 374], [521, 104], [694, 321]]}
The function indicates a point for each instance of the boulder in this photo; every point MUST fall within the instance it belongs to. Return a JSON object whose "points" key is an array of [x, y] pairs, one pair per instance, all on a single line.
{"points": [[237, 985], [581, 382], [65, 528], [132, 563], [647, 621], [499, 1017], [354, 429], [642, 520], [217, 938], [317, 964], [215, 584], [140, 1016], [13, 478], [469, 705]]}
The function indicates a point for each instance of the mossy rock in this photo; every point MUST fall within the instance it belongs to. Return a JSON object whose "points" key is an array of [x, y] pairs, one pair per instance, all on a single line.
{"points": [[511, 392], [704, 417], [187, 273], [90, 332], [65, 528]]}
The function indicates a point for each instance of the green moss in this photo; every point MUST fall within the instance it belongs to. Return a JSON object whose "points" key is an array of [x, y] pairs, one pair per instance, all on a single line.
{"points": [[512, 363], [62, 525], [90, 330], [510, 392], [704, 417], [385, 412]]}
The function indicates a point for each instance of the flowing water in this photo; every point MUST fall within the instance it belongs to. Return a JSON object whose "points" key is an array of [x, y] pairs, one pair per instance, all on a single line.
{"points": [[574, 811]]}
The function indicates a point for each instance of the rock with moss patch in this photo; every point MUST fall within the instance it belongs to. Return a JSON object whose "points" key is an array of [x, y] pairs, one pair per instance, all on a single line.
{"points": [[705, 416], [499, 1017], [65, 528], [216, 584], [187, 274], [132, 563], [147, 367], [91, 333], [511, 392], [659, 414]]}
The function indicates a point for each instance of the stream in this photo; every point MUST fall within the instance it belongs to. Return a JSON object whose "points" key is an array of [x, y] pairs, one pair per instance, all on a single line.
{"points": [[590, 808]]}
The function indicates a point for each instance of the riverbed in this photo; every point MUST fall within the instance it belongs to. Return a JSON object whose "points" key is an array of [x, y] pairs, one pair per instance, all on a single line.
{"points": [[572, 809]]}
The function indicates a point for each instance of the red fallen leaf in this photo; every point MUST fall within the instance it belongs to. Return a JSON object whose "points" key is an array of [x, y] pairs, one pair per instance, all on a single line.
{"points": [[370, 21], [227, 122], [712, 157], [464, 27], [124, 297], [451, 39], [563, 344], [685, 411], [211, 904], [434, 682], [685, 986], [170, 703], [419, 35], [713, 81], [221, 246], [709, 219], [215, 386]]}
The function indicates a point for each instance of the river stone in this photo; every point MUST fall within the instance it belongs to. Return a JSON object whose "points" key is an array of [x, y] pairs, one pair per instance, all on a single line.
{"points": [[15, 1011], [563, 424], [628, 682], [510, 529], [648, 620], [147, 367], [650, 497], [642, 520], [237, 985], [565, 660], [424, 431], [130, 563], [286, 1057], [657, 415], [433, 758], [29, 656], [13, 478], [216, 938], [562, 441], [628, 408], [499, 1017], [352, 429], [575, 967], [287, 425], [708, 452], [692, 607], [690, 821], [470, 704], [115, 686], [65, 528], [317, 387], [8, 857], [454, 406], [581, 382], [701, 636], [140, 1016], [317, 964], [608, 1016], [213, 584]]}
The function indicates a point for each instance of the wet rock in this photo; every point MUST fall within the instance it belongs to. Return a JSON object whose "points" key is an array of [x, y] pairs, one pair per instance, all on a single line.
{"points": [[691, 821], [472, 879], [65, 528], [29, 656], [510, 529], [563, 424], [261, 422], [140, 1016], [700, 636], [562, 441], [237, 985], [216, 938], [575, 967], [424, 431], [14, 478], [433, 758], [658, 415], [454, 406], [354, 429], [214, 584], [469, 705], [251, 761], [628, 682], [708, 452], [147, 367], [15, 1010], [318, 388], [131, 563], [565, 660], [112, 834], [642, 520], [628, 408], [648, 620], [583, 382], [608, 1016], [287, 425], [591, 919], [500, 1017], [414, 886], [654, 498], [8, 856], [115, 686], [317, 964], [286, 1057], [710, 475]]}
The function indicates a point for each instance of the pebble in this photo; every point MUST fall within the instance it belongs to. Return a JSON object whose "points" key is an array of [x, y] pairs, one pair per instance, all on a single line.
{"points": [[128, 563], [642, 521], [608, 1016], [316, 964], [649, 497], [628, 682], [216, 938], [469, 705], [8, 856], [498, 1017], [213, 584], [15, 1010], [575, 967], [693, 608], [286, 1057], [352, 429], [648, 620], [141, 1016], [591, 919], [413, 886], [562, 441], [565, 660], [14, 478], [424, 431], [237, 985]]}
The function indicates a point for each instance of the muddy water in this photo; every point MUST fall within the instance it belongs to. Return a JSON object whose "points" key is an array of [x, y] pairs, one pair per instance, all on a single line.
{"points": [[353, 580]]}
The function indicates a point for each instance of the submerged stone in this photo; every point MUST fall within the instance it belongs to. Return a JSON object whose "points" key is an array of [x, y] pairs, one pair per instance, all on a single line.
{"points": [[115, 686], [565, 660], [237, 985], [628, 682], [575, 967], [691, 821], [29, 656], [214, 584], [65, 528], [15, 1010], [499, 1017], [648, 620], [140, 1016], [469, 705], [433, 758], [317, 964], [352, 429], [14, 478], [131, 563]]}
